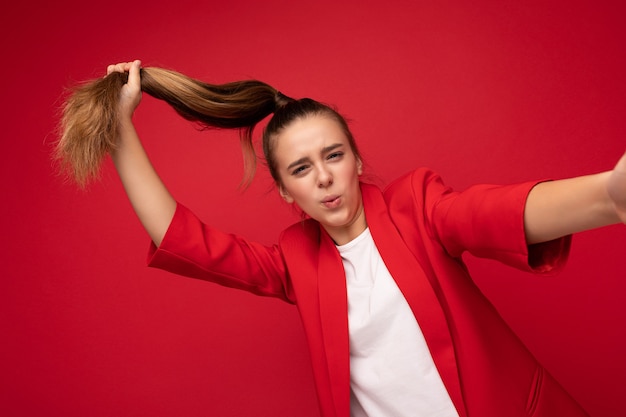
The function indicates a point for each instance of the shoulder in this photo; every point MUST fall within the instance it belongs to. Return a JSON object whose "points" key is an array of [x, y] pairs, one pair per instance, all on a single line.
{"points": [[418, 178], [420, 186], [303, 233]]}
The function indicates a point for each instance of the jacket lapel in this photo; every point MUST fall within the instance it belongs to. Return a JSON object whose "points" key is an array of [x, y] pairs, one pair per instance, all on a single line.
{"points": [[410, 277], [334, 318]]}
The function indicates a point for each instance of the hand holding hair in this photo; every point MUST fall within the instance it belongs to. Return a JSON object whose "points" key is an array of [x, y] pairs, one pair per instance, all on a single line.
{"points": [[93, 111], [130, 94]]}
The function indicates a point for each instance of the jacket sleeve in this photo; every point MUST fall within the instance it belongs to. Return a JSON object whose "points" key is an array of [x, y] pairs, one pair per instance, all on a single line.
{"points": [[487, 221], [193, 249]]}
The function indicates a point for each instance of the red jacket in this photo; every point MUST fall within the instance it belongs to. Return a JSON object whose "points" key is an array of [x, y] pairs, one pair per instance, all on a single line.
{"points": [[421, 228]]}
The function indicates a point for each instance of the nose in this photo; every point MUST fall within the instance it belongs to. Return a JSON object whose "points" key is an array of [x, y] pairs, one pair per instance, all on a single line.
{"points": [[324, 178]]}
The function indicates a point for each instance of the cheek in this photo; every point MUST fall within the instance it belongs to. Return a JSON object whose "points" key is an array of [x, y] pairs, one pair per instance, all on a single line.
{"points": [[293, 191], [351, 172], [300, 191]]}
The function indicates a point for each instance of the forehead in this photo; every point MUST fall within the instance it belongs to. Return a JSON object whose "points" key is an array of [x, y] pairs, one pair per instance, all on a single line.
{"points": [[306, 135]]}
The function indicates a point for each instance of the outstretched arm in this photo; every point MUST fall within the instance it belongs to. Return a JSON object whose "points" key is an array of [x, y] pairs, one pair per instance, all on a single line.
{"points": [[148, 195], [558, 208]]}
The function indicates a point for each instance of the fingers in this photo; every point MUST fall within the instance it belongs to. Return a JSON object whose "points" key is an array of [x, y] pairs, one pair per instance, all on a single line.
{"points": [[134, 79], [123, 66], [130, 93]]}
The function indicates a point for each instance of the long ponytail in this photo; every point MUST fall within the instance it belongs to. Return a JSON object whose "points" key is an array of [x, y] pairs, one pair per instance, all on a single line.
{"points": [[89, 120]]}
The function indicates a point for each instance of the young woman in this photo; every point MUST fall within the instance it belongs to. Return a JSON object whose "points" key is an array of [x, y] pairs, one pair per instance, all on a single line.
{"points": [[395, 325]]}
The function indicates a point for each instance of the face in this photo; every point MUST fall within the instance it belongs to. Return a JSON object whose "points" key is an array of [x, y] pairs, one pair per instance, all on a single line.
{"points": [[320, 173]]}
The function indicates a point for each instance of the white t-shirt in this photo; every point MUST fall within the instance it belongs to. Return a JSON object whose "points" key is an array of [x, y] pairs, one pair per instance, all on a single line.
{"points": [[391, 370]]}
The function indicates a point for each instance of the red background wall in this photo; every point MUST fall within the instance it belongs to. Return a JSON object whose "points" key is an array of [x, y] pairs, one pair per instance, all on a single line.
{"points": [[482, 91]]}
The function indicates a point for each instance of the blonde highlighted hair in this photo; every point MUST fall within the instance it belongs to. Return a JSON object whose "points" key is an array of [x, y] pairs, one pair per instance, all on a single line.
{"points": [[88, 128]]}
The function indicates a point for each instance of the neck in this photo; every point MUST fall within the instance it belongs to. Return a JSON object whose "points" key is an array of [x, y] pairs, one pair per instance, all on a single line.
{"points": [[347, 233]]}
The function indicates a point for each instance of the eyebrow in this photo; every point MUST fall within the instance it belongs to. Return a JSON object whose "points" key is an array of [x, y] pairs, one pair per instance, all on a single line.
{"points": [[306, 158]]}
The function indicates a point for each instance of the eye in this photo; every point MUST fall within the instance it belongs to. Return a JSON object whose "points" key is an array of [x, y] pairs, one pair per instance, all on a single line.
{"points": [[299, 170], [335, 155]]}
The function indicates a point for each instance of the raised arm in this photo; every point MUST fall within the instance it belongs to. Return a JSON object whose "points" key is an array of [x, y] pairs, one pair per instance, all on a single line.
{"points": [[148, 195], [558, 208], [97, 120]]}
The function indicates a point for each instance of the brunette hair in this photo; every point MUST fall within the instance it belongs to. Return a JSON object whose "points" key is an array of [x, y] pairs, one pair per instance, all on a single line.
{"points": [[88, 128]]}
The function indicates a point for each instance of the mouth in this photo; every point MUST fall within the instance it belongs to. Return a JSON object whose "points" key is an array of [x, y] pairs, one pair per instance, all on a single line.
{"points": [[331, 201]]}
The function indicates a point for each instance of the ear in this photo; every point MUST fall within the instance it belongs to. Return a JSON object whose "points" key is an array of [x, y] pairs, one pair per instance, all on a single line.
{"points": [[285, 194], [359, 167]]}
